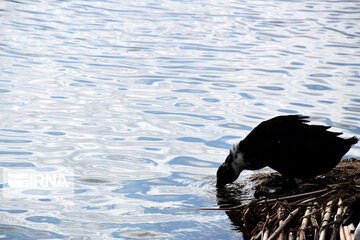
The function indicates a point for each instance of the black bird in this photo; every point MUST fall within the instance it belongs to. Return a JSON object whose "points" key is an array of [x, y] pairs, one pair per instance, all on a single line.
{"points": [[288, 145]]}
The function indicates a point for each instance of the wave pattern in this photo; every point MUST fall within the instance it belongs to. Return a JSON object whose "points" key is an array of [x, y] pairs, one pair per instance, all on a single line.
{"points": [[141, 101]]}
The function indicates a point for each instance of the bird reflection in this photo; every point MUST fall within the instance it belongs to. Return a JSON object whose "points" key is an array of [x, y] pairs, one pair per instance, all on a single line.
{"points": [[232, 196], [237, 194]]}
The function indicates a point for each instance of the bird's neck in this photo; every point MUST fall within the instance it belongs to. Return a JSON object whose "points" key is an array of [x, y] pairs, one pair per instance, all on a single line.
{"points": [[238, 163]]}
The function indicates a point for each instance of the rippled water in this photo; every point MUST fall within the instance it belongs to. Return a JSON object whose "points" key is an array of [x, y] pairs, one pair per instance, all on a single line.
{"points": [[141, 100]]}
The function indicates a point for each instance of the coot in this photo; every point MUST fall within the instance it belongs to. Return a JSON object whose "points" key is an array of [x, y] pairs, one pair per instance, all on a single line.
{"points": [[288, 145]]}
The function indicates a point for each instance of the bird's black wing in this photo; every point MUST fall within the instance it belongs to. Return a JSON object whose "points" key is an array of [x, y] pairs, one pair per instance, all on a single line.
{"points": [[273, 138], [273, 130]]}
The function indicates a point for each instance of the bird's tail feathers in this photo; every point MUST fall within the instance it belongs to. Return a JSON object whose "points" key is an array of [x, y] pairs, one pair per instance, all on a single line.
{"points": [[353, 140]]}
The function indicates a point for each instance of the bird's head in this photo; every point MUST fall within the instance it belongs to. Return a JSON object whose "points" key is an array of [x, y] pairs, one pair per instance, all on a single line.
{"points": [[230, 170]]}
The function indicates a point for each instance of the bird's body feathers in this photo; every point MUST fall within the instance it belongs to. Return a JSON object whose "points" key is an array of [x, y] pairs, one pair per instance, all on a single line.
{"points": [[290, 146]]}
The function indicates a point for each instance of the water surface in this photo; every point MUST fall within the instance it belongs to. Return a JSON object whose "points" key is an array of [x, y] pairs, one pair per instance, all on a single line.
{"points": [[141, 101]]}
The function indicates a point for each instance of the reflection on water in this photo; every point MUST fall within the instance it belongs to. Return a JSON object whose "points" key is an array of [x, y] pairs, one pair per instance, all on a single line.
{"points": [[142, 100]]}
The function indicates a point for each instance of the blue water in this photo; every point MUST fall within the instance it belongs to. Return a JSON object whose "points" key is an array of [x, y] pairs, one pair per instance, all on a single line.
{"points": [[141, 101]]}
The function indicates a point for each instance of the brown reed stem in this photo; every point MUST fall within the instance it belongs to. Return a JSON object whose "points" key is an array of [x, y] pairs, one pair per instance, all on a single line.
{"points": [[337, 220], [301, 234], [326, 219], [283, 225]]}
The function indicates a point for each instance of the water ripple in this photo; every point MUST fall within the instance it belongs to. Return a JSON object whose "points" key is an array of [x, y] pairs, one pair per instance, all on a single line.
{"points": [[142, 101], [205, 117]]}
